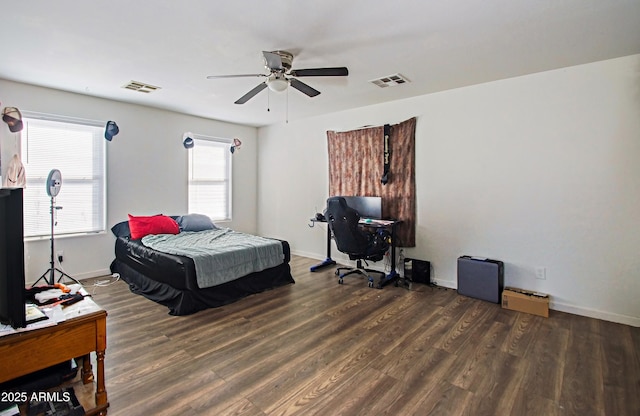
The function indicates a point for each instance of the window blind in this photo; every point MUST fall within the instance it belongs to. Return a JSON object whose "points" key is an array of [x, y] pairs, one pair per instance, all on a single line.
{"points": [[77, 149], [210, 178]]}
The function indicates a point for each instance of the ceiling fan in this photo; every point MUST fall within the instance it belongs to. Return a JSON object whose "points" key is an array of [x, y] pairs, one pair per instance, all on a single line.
{"points": [[281, 75]]}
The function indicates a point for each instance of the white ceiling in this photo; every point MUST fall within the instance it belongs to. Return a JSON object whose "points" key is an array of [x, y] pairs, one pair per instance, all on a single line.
{"points": [[96, 47]]}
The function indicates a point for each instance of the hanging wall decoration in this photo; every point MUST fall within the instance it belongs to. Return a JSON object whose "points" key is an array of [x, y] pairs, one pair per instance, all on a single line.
{"points": [[187, 140], [111, 130], [13, 118], [236, 145], [387, 154], [15, 176]]}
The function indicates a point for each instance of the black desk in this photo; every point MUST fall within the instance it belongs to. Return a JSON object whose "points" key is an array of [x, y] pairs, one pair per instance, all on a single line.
{"points": [[328, 261], [393, 275]]}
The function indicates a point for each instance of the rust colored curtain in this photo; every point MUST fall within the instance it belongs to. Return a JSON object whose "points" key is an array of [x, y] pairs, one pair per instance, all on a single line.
{"points": [[356, 166]]}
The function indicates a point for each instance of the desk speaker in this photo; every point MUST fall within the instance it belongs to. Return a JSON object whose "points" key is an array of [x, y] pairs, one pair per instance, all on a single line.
{"points": [[418, 271], [480, 278]]}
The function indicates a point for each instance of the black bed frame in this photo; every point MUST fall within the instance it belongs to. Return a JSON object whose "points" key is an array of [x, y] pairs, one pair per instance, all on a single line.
{"points": [[185, 301]]}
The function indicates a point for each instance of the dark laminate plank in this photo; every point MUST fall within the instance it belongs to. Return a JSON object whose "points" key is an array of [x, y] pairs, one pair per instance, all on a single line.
{"points": [[420, 380], [497, 386], [445, 399], [328, 344], [327, 355], [530, 405], [352, 395], [137, 381], [546, 361], [323, 384], [620, 369], [406, 358], [476, 316], [317, 353], [481, 353], [523, 332], [317, 347], [169, 398], [582, 391]]}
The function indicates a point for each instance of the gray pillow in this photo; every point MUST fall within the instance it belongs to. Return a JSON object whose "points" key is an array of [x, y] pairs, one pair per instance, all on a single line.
{"points": [[195, 222], [121, 229]]}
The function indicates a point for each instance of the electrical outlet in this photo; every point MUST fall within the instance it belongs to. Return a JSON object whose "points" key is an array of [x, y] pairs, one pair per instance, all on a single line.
{"points": [[541, 273], [60, 255]]}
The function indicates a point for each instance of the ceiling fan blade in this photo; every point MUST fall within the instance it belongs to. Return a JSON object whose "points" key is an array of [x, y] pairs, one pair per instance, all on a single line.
{"points": [[236, 76], [320, 72], [251, 93], [273, 60], [304, 88]]}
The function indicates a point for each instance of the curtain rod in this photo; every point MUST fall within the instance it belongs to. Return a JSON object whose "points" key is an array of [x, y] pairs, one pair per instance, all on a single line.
{"points": [[368, 126]]}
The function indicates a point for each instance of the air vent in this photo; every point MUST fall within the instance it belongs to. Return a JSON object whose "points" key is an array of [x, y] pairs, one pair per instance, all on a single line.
{"points": [[140, 87], [390, 81]]}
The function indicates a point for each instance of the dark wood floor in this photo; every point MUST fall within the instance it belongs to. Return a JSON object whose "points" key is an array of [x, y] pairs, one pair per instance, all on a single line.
{"points": [[319, 348]]}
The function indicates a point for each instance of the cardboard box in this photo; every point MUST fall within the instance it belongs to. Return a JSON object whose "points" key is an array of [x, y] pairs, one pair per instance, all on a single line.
{"points": [[525, 301]]}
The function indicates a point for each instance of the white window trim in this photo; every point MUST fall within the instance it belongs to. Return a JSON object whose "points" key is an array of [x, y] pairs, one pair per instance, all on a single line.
{"points": [[63, 119]]}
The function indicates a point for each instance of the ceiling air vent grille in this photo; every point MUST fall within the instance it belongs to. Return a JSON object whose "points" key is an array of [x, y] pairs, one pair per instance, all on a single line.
{"points": [[390, 81], [140, 87]]}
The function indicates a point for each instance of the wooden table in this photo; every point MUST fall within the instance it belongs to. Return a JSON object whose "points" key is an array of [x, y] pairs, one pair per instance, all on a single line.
{"points": [[83, 331]]}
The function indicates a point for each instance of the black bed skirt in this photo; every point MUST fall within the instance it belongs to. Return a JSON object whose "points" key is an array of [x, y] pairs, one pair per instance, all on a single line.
{"points": [[186, 302]]}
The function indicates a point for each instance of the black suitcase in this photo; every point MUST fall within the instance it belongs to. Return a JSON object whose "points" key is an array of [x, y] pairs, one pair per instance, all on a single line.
{"points": [[480, 278]]}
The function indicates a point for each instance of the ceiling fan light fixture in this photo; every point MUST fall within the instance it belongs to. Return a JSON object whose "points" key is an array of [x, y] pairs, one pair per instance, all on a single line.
{"points": [[278, 84], [281, 76]]}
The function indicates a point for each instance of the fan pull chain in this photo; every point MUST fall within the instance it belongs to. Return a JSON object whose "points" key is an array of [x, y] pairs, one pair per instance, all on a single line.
{"points": [[268, 101]]}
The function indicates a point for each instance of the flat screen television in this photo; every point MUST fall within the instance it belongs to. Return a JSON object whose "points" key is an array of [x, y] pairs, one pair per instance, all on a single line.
{"points": [[367, 206], [12, 281]]}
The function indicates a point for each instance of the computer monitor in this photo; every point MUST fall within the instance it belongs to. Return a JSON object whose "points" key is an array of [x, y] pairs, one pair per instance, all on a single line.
{"points": [[367, 206]]}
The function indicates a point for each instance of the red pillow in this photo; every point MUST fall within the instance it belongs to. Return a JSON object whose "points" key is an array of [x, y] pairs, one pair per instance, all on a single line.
{"points": [[156, 224]]}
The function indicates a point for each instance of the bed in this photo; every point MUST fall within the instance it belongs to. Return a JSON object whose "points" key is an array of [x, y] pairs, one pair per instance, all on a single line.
{"points": [[185, 282]]}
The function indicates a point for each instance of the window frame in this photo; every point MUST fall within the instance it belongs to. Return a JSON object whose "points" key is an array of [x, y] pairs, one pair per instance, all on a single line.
{"points": [[221, 142], [101, 223]]}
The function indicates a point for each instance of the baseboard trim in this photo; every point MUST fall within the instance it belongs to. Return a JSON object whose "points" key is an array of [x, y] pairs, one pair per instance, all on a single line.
{"points": [[79, 276], [572, 309], [445, 283], [305, 254], [92, 274], [594, 313]]}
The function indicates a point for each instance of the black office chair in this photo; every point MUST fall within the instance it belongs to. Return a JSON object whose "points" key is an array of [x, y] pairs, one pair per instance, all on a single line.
{"points": [[359, 244]]}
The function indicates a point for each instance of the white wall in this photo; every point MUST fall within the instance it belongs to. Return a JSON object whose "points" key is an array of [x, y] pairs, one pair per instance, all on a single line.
{"points": [[146, 170], [537, 171]]}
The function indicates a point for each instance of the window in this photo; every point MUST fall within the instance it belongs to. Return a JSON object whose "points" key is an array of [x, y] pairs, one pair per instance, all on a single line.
{"points": [[77, 149], [210, 178]]}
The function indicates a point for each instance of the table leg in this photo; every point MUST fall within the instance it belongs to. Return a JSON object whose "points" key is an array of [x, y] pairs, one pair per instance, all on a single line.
{"points": [[87, 371], [393, 275], [101, 393], [328, 261]]}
